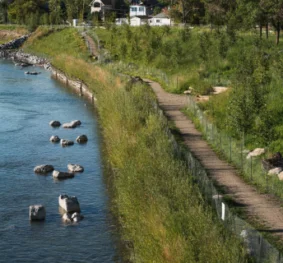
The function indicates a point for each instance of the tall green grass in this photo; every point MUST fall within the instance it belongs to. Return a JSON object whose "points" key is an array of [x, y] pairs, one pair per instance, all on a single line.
{"points": [[160, 210]]}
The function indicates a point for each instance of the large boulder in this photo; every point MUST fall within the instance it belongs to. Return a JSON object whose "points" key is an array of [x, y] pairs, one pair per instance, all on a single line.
{"points": [[69, 203], [72, 217], [43, 169], [66, 142], [256, 152], [69, 125], [72, 124], [75, 168], [37, 212], [55, 123], [82, 139], [275, 171], [67, 218], [275, 161], [54, 138], [62, 175], [76, 217], [280, 176], [76, 122]]}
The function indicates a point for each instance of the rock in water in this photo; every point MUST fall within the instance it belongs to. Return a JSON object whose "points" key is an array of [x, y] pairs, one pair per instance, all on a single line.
{"points": [[67, 218], [37, 212], [62, 175], [54, 138], [43, 169], [72, 124], [82, 139], [75, 168], [69, 203], [66, 142], [76, 122], [55, 123], [76, 217]]}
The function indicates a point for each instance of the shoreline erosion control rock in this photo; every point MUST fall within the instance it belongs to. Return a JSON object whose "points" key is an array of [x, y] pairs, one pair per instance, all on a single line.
{"points": [[75, 168], [72, 124], [69, 203], [37, 213], [54, 138], [82, 139], [66, 142], [43, 169], [70, 218], [55, 123], [62, 175]]}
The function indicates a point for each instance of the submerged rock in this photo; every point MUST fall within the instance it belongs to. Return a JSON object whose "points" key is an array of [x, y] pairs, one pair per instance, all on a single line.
{"points": [[54, 138], [82, 139], [55, 123], [32, 73], [66, 142], [69, 203], [62, 175], [75, 168], [43, 169], [37, 213]]}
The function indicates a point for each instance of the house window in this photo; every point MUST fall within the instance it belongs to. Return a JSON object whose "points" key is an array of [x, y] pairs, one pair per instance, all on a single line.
{"points": [[134, 9], [96, 4], [141, 9], [157, 21]]}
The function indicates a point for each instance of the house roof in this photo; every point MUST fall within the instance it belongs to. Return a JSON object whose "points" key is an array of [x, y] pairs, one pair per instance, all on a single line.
{"points": [[161, 15], [141, 17]]}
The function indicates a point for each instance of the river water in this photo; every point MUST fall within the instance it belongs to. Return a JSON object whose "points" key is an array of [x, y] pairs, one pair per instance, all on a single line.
{"points": [[27, 105]]}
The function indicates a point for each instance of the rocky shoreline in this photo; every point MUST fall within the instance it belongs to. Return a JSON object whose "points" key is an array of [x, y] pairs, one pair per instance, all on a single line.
{"points": [[18, 56]]}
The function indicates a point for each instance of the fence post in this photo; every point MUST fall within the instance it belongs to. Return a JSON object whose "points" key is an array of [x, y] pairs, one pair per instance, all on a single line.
{"points": [[242, 155], [251, 168], [230, 148]]}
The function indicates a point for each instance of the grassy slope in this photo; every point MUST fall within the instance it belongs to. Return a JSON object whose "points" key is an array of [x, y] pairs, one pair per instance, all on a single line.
{"points": [[10, 32], [252, 67], [158, 207]]}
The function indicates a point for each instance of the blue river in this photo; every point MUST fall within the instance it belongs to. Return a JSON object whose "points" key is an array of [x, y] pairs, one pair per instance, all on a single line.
{"points": [[27, 105]]}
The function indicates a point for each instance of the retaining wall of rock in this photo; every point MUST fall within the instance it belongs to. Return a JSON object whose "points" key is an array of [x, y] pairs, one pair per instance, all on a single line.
{"points": [[75, 84]]}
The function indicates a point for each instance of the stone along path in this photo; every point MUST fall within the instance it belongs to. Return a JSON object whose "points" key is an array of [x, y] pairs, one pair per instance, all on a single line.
{"points": [[259, 207]]}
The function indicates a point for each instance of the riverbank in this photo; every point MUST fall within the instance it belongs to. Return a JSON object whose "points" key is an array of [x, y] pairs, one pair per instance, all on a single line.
{"points": [[77, 85], [161, 212]]}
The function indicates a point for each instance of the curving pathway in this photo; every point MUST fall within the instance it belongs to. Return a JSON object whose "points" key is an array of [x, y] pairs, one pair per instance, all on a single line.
{"points": [[262, 208]]}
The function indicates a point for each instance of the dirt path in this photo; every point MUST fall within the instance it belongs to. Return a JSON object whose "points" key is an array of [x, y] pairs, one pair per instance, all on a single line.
{"points": [[263, 208]]}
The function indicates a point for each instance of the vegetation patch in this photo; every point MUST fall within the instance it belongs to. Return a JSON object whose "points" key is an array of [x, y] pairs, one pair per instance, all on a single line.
{"points": [[160, 210]]}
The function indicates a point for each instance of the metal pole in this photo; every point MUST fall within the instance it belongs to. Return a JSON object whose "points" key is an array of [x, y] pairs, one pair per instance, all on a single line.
{"points": [[251, 168], [230, 148]]}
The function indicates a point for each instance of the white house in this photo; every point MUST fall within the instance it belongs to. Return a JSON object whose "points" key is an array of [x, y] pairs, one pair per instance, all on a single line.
{"points": [[138, 10], [160, 20], [138, 20], [121, 21]]}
